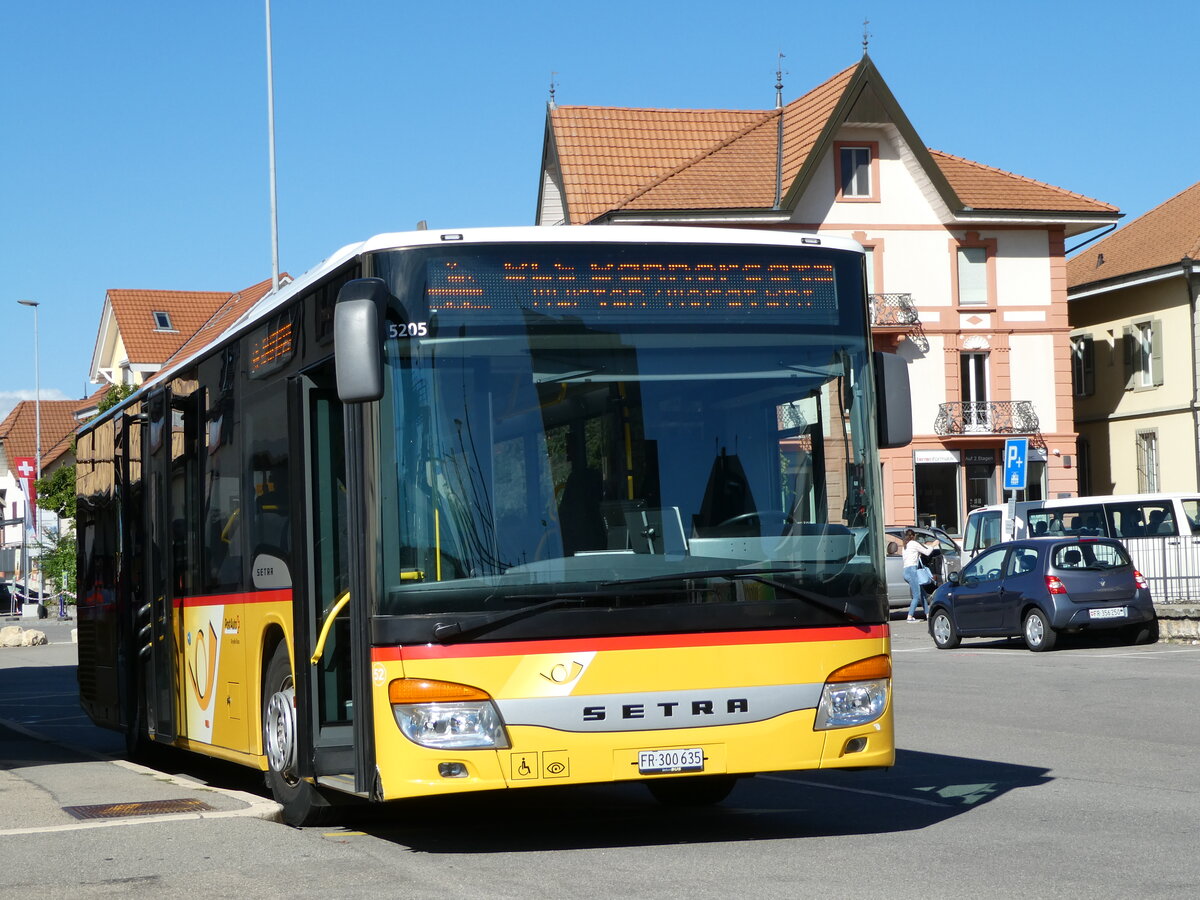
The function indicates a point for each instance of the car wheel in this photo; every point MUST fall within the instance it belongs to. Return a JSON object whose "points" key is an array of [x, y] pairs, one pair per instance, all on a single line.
{"points": [[1037, 632], [1146, 633], [941, 626]]}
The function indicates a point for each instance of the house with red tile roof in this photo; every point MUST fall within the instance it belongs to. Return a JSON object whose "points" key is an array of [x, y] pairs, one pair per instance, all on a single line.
{"points": [[19, 439], [1135, 342], [140, 330], [965, 262]]}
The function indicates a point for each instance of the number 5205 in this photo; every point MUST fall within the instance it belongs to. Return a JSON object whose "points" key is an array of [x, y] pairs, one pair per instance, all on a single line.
{"points": [[407, 329]]}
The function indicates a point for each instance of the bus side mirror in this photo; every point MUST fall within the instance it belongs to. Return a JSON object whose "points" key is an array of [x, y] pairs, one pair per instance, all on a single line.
{"points": [[358, 339], [893, 400]]}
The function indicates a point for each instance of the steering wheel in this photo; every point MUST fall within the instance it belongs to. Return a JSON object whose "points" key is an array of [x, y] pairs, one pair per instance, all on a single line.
{"points": [[765, 518]]}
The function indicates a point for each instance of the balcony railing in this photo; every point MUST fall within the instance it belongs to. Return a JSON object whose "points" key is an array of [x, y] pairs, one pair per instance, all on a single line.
{"points": [[893, 309], [986, 417]]}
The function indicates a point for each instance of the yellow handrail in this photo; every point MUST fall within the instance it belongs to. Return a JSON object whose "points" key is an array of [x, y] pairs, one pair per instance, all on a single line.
{"points": [[337, 608]]}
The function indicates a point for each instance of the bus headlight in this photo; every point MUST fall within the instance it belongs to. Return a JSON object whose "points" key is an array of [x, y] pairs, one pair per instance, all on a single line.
{"points": [[446, 716], [855, 694]]}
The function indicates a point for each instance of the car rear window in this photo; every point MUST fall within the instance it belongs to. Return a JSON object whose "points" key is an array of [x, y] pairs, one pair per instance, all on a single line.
{"points": [[1089, 555]]}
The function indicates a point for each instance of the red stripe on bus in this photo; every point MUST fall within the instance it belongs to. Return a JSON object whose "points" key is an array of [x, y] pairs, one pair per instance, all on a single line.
{"points": [[635, 642], [280, 595]]}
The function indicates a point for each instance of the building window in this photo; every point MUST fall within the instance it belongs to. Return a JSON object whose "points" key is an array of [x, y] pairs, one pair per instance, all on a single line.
{"points": [[1144, 339], [979, 467], [972, 276], [1083, 366], [1143, 355], [976, 409], [1083, 469], [1147, 462], [937, 495], [857, 170], [162, 321]]}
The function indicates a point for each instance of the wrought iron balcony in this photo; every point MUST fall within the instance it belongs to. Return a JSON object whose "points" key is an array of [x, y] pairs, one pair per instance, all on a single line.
{"points": [[893, 309], [986, 417]]}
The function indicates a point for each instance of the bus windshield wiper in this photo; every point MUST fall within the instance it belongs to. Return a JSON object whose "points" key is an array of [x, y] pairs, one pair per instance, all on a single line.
{"points": [[448, 632], [762, 576]]}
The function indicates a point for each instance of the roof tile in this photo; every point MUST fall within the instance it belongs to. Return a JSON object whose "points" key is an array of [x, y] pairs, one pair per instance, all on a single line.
{"points": [[641, 159], [1161, 237], [18, 431]]}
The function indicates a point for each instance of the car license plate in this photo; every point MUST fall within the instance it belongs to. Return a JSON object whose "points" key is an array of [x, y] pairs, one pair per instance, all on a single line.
{"points": [[1112, 612], [661, 762]]}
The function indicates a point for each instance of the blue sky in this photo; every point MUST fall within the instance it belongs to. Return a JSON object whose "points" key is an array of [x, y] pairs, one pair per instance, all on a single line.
{"points": [[135, 149]]}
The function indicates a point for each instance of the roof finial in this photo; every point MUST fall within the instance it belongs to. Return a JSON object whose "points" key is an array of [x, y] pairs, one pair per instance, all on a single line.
{"points": [[779, 82], [866, 35], [553, 87]]}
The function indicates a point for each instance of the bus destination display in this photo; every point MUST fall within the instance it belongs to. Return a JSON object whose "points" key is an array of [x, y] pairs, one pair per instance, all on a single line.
{"points": [[804, 291]]}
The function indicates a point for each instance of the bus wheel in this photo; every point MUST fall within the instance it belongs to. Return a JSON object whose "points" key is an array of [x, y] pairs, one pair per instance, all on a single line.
{"points": [[302, 803], [698, 790], [138, 746], [1037, 632]]}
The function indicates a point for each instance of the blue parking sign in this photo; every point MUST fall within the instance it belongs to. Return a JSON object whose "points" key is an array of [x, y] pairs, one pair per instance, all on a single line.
{"points": [[1016, 452]]}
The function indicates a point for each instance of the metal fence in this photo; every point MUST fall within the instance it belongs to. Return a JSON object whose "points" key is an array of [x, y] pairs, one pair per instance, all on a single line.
{"points": [[1171, 564]]}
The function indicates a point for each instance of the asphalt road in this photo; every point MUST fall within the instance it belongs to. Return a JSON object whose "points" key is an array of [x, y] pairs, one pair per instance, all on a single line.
{"points": [[1064, 774]]}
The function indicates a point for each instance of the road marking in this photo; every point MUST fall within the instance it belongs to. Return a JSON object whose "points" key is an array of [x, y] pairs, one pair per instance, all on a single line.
{"points": [[837, 787]]}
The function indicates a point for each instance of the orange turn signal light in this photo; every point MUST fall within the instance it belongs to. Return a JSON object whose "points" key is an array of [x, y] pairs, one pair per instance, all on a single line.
{"points": [[873, 668], [421, 690]]}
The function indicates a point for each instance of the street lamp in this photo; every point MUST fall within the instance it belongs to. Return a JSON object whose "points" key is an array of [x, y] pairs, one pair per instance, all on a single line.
{"points": [[37, 413]]}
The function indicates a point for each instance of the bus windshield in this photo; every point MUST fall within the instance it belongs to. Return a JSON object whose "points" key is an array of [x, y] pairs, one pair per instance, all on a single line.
{"points": [[695, 437]]}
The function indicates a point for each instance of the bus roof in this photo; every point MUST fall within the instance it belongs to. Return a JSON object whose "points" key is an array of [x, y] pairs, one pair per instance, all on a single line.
{"points": [[528, 234]]}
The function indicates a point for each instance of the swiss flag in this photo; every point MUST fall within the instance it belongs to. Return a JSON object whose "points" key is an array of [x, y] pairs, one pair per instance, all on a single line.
{"points": [[26, 468]]}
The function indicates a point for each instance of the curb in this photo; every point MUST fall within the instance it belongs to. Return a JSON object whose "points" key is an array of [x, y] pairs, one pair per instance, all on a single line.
{"points": [[256, 807]]}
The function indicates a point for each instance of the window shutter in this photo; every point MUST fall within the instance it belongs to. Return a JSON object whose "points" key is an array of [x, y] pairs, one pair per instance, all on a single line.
{"points": [[1089, 366], [1130, 351], [1156, 363]]}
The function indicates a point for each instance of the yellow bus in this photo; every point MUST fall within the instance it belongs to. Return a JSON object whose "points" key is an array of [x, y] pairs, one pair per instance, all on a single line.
{"points": [[506, 508]]}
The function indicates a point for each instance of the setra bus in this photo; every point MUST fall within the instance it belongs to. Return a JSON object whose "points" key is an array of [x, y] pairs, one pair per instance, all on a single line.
{"points": [[502, 508]]}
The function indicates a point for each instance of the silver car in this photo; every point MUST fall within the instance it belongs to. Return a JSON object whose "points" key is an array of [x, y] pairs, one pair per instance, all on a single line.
{"points": [[947, 560]]}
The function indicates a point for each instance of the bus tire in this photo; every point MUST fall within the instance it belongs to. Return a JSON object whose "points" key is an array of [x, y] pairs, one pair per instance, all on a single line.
{"points": [[138, 746], [1036, 630], [302, 803], [941, 628], [697, 790]]}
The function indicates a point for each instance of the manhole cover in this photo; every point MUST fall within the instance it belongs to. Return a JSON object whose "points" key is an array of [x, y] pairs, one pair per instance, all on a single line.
{"points": [[142, 808]]}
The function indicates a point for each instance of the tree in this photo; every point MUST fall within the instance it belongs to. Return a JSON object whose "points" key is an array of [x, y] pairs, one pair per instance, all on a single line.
{"points": [[57, 492], [58, 560], [113, 396]]}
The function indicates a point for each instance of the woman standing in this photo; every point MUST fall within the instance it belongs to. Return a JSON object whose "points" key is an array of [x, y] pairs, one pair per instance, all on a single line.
{"points": [[913, 551]]}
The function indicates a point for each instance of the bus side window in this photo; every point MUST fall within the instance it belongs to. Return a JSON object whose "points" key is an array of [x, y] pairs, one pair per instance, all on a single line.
{"points": [[266, 486]]}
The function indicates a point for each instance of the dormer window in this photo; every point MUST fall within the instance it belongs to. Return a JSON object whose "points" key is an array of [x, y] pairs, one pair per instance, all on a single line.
{"points": [[162, 321], [857, 165]]}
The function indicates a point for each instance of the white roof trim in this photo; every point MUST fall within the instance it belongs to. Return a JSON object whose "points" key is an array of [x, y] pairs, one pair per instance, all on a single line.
{"points": [[1129, 281]]}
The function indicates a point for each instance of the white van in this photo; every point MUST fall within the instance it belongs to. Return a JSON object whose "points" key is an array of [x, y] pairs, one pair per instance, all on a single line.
{"points": [[1121, 516]]}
